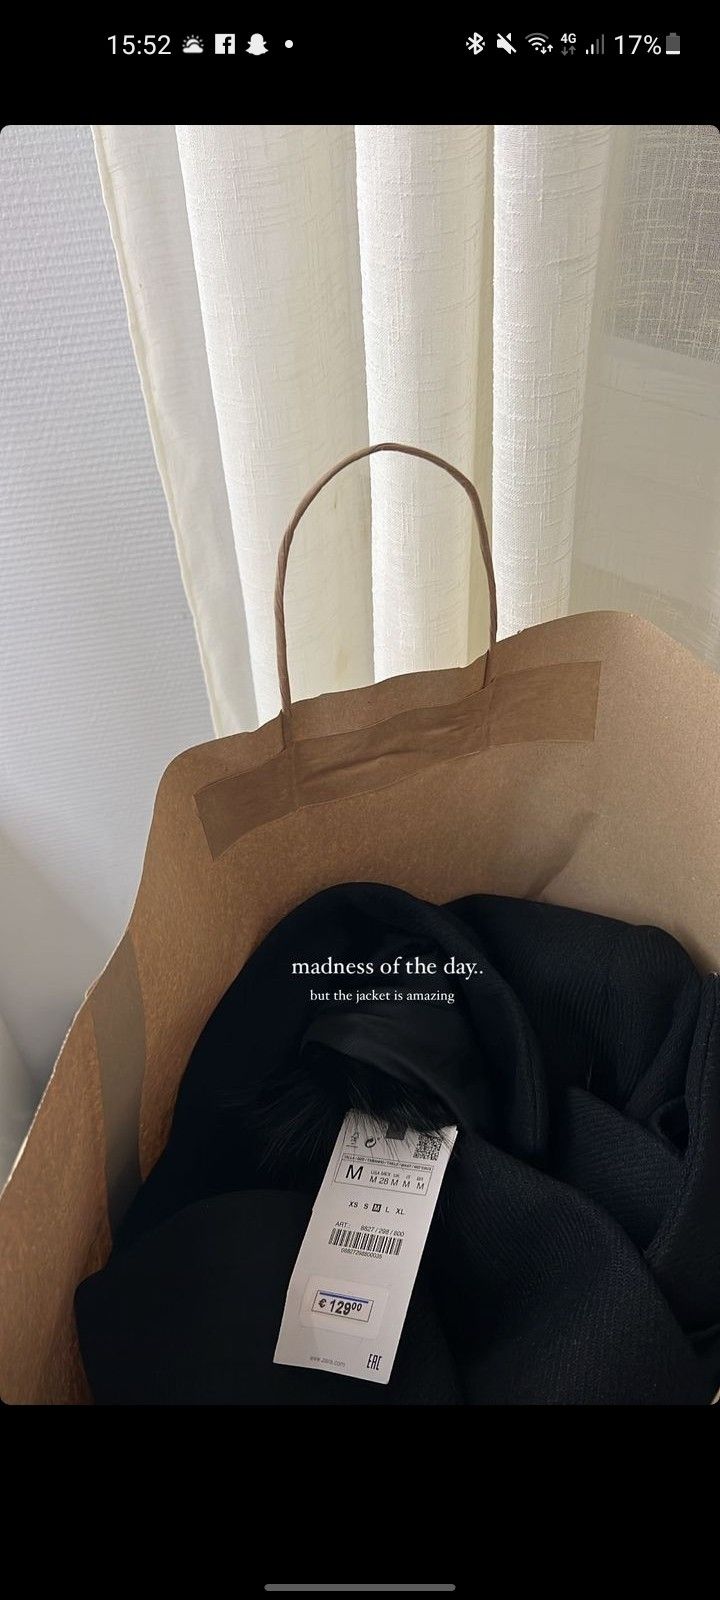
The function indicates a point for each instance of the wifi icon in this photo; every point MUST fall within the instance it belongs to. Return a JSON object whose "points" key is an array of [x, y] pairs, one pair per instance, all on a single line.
{"points": [[539, 41]]}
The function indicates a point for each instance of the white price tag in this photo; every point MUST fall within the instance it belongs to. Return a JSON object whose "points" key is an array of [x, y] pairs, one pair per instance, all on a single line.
{"points": [[351, 1284]]}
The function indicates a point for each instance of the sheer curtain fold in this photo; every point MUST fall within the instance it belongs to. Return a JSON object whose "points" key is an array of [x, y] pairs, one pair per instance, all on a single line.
{"points": [[550, 187], [422, 195], [142, 185], [538, 304], [273, 223]]}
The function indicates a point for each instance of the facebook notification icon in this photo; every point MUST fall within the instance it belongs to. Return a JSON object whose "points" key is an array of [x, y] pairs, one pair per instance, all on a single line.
{"points": [[224, 44]]}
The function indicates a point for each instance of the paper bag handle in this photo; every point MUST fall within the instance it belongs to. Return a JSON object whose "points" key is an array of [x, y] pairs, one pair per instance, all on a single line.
{"points": [[284, 551]]}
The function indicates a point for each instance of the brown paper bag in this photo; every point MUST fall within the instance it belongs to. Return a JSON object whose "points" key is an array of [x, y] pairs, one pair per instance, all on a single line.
{"points": [[578, 763]]}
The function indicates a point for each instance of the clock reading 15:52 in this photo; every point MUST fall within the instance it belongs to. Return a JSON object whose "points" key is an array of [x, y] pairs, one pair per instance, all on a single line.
{"points": [[135, 44]]}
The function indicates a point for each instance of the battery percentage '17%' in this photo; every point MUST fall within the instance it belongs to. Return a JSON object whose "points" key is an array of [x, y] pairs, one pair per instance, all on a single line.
{"points": [[650, 44]]}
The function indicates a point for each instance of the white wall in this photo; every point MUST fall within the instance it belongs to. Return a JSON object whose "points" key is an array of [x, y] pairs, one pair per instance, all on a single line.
{"points": [[100, 679]]}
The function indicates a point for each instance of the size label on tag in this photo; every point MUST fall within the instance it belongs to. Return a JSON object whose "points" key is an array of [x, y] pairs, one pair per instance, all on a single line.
{"points": [[351, 1284]]}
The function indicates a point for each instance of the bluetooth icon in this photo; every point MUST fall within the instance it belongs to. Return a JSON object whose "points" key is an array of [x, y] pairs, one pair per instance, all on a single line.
{"points": [[476, 43]]}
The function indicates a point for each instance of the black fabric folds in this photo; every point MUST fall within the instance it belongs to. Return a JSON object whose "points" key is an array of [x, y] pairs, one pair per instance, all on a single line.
{"points": [[574, 1257]]}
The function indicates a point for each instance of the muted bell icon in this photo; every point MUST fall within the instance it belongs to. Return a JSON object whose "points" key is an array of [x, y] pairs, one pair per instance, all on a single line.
{"points": [[257, 46]]}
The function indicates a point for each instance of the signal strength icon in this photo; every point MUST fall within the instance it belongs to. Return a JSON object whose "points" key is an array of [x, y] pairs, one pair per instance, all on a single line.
{"points": [[596, 49], [539, 41]]}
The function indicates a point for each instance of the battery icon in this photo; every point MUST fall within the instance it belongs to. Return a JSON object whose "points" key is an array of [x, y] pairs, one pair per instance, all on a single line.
{"points": [[672, 44]]}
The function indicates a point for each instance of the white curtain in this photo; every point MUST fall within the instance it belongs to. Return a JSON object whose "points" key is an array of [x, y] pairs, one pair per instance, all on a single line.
{"points": [[100, 680], [539, 304]]}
